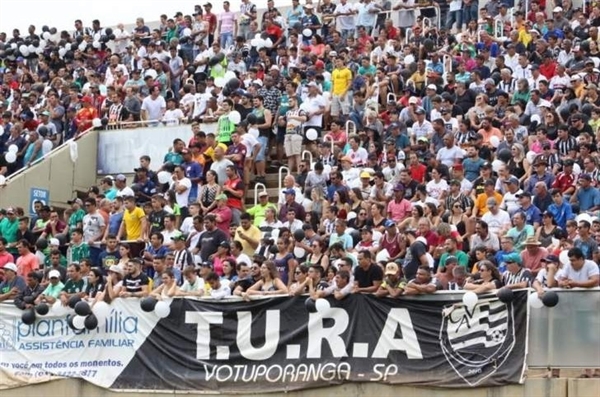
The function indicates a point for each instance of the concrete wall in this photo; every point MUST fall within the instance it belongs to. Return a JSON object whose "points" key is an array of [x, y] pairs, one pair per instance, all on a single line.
{"points": [[56, 173], [532, 388]]}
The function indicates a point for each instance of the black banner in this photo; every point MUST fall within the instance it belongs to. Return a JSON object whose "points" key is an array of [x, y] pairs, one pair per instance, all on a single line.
{"points": [[277, 344]]}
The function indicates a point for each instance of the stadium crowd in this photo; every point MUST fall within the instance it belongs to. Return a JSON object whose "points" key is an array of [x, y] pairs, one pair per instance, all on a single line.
{"points": [[455, 148]]}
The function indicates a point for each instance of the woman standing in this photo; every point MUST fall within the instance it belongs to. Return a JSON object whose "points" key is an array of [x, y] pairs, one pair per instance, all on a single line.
{"points": [[284, 259], [209, 191], [223, 254]]}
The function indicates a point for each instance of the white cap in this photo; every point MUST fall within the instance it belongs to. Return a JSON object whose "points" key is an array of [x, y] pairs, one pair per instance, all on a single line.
{"points": [[432, 87], [557, 9], [54, 274], [422, 239], [275, 67], [54, 241], [413, 99], [10, 266], [257, 81]]}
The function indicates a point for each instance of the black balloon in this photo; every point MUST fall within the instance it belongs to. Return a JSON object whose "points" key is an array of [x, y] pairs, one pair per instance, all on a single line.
{"points": [[148, 304], [28, 317], [42, 243], [112, 37], [299, 235], [273, 249], [550, 299], [45, 28], [75, 299], [91, 322], [504, 155], [82, 308], [53, 30], [505, 295], [79, 39], [216, 59], [227, 91], [42, 309], [108, 31], [36, 43], [234, 84], [310, 305], [251, 118], [104, 39], [104, 121], [28, 299]]}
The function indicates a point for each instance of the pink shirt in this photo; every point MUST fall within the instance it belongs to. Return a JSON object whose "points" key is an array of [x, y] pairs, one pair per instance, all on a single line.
{"points": [[6, 257], [399, 211], [26, 264], [225, 214]]}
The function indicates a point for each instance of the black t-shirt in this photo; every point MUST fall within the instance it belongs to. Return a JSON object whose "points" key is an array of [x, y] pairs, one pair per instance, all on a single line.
{"points": [[366, 278], [157, 221], [135, 284], [417, 250], [209, 242]]}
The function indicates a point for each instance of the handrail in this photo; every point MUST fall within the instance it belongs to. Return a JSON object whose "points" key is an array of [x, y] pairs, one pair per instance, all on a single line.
{"points": [[310, 157], [498, 28], [349, 124], [392, 96], [330, 138], [447, 63], [263, 189], [280, 173]]}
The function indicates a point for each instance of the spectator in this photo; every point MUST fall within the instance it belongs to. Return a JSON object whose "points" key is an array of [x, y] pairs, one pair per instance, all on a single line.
{"points": [[13, 284]]}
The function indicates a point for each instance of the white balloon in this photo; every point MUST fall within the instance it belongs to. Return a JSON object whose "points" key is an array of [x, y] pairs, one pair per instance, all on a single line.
{"points": [[258, 36], [163, 177], [73, 151], [96, 44], [162, 309], [254, 132], [536, 117], [312, 134], [230, 74], [531, 155], [97, 122], [495, 141], [31, 48], [351, 215], [563, 257], [218, 68], [269, 43], [254, 42], [43, 44], [39, 50], [496, 165], [219, 81], [322, 305], [470, 299], [2, 180], [46, 35], [82, 46], [274, 234], [299, 252], [187, 32], [79, 322], [23, 48], [307, 32], [101, 310], [235, 117], [382, 256], [97, 36], [62, 52], [534, 301], [10, 157], [25, 52], [47, 146], [67, 46], [13, 148], [13, 46]]}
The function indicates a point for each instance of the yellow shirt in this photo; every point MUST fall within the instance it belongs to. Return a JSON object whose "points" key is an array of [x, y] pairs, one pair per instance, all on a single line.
{"points": [[341, 79], [254, 233], [481, 202], [133, 223]]}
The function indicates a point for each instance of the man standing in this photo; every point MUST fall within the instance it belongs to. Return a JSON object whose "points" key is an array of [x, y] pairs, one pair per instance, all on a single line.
{"points": [[341, 78], [211, 238], [134, 223], [248, 235], [294, 118], [93, 229], [78, 248]]}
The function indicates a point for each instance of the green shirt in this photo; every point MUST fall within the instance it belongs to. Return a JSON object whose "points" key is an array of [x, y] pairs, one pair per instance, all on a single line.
{"points": [[259, 211], [224, 129], [463, 259], [9, 230], [48, 264], [111, 194], [173, 157], [54, 290], [74, 287], [75, 218], [78, 252]]}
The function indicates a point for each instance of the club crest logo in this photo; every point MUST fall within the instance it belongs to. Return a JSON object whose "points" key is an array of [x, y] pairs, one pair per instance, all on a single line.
{"points": [[476, 342]]}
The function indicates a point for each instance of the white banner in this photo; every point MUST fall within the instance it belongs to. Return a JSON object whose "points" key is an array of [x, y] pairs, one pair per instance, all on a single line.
{"points": [[49, 348], [119, 151]]}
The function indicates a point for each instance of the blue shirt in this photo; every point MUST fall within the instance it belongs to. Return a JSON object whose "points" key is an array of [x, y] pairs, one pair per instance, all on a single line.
{"points": [[472, 168], [561, 214], [193, 170], [547, 178], [588, 198], [114, 222], [532, 215]]}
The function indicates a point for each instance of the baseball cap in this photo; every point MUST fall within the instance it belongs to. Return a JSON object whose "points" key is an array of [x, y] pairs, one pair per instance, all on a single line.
{"points": [[116, 269], [54, 274], [399, 187], [263, 194], [413, 99], [54, 241], [289, 191], [388, 223], [121, 177], [75, 201], [513, 179], [365, 174], [179, 237], [221, 197], [10, 266], [587, 177], [432, 87], [225, 244], [513, 257], [451, 259], [458, 167], [550, 259], [557, 9], [312, 84], [524, 194], [391, 268]]}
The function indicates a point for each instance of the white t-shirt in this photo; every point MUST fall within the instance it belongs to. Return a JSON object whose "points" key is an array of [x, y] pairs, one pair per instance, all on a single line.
{"points": [[510, 202], [311, 105], [182, 198], [200, 101], [227, 20], [496, 222], [359, 157], [436, 189], [422, 130], [154, 107], [346, 22], [589, 269], [125, 192], [172, 117], [449, 156], [250, 142]]}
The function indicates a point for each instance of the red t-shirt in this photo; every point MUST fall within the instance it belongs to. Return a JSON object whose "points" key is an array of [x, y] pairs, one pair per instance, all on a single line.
{"points": [[417, 172], [235, 184]]}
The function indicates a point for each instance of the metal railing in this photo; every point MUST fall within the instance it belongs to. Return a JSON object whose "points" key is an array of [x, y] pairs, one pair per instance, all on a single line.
{"points": [[287, 171], [350, 128], [262, 188], [307, 153]]}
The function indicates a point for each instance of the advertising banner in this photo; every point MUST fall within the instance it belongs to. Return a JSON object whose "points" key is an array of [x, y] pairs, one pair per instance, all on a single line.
{"points": [[276, 344]]}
